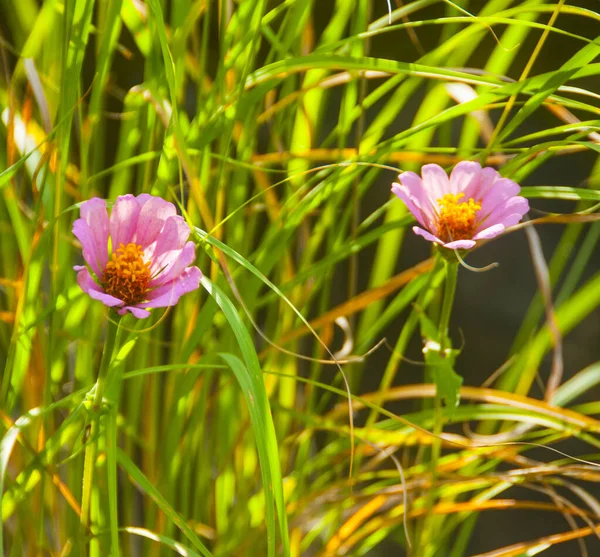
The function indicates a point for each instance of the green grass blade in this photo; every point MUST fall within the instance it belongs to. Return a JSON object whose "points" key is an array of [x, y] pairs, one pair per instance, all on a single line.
{"points": [[251, 381], [147, 487]]}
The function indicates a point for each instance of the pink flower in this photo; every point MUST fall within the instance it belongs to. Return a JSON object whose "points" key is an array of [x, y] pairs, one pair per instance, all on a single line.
{"points": [[473, 204], [139, 257]]}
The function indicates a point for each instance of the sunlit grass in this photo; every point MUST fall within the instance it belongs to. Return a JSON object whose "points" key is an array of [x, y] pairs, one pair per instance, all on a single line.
{"points": [[260, 416]]}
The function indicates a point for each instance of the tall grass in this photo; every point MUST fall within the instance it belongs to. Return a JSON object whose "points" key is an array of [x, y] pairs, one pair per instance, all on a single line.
{"points": [[277, 128]]}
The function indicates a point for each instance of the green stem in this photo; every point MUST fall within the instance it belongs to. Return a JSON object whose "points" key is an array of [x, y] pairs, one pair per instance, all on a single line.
{"points": [[111, 343], [111, 463], [428, 548], [449, 292]]}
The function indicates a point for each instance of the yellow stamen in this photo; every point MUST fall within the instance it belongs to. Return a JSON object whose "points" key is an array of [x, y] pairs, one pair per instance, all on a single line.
{"points": [[457, 220], [126, 275]]}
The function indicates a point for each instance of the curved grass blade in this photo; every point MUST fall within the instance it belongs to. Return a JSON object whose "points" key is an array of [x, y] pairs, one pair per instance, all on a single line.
{"points": [[249, 375], [159, 538], [164, 505]]}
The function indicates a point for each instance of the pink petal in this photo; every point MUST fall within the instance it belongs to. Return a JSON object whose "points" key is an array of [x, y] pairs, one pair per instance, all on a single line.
{"points": [[464, 177], [497, 194], [137, 312], [460, 244], [487, 177], [142, 198], [427, 235], [93, 289], [490, 232], [409, 201], [124, 220], [514, 206], [169, 293], [511, 220], [85, 235], [179, 261], [169, 243], [435, 181], [413, 186], [153, 214], [94, 213]]}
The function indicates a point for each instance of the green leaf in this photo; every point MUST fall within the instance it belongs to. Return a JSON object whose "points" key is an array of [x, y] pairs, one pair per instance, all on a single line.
{"points": [[440, 365], [446, 380]]}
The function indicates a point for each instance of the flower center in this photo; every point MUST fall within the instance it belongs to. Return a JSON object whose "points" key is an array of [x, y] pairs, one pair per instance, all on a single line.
{"points": [[126, 275], [457, 219]]}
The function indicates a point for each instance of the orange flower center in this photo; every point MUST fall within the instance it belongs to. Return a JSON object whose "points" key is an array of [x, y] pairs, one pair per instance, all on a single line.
{"points": [[457, 219], [126, 276]]}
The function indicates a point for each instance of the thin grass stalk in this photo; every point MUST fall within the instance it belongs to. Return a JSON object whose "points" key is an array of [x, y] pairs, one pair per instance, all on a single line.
{"points": [[111, 346]]}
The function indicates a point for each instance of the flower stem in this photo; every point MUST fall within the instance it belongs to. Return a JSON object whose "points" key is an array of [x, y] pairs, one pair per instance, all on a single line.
{"points": [[111, 345], [428, 546], [449, 292]]}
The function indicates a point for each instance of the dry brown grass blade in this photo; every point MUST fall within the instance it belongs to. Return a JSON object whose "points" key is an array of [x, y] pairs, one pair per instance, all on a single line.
{"points": [[491, 396], [412, 33], [336, 493], [394, 516], [556, 219], [517, 549], [579, 471], [354, 522], [543, 279], [350, 153], [496, 504], [462, 93], [563, 502], [7, 317], [566, 116]]}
